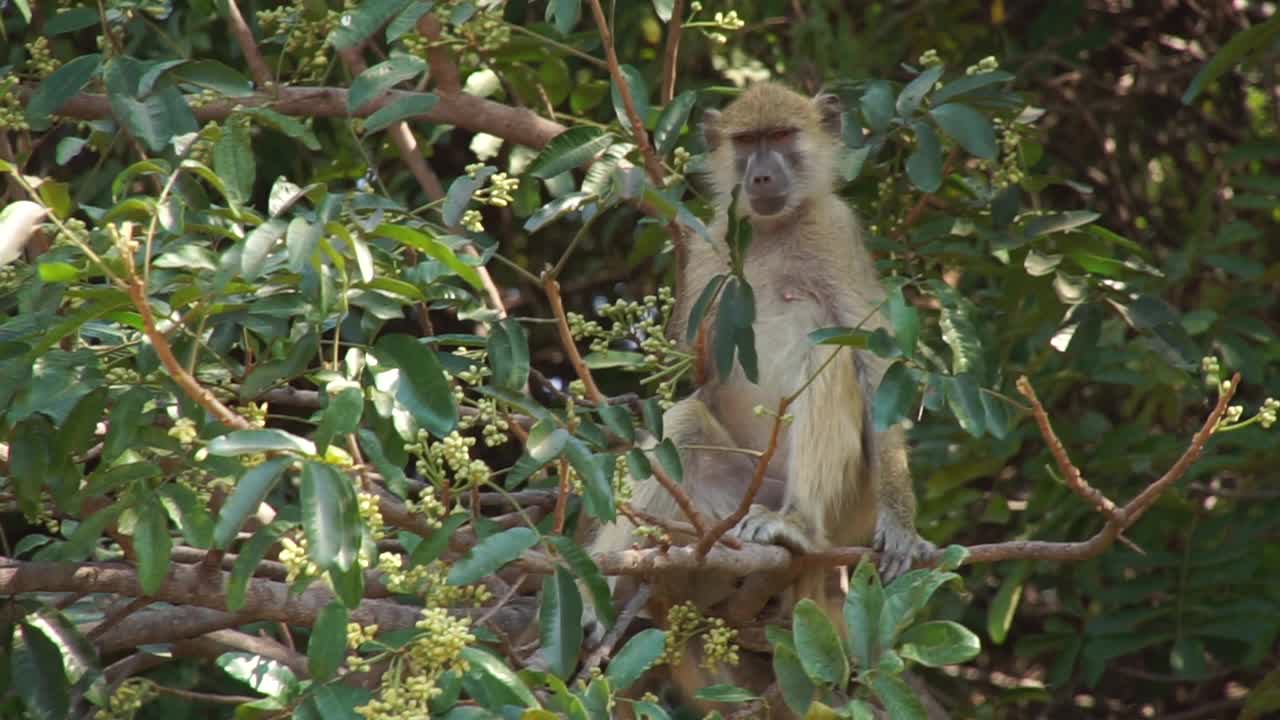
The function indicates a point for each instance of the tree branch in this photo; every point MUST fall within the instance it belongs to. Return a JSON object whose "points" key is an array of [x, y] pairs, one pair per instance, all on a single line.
{"points": [[244, 38], [517, 125], [671, 53]]}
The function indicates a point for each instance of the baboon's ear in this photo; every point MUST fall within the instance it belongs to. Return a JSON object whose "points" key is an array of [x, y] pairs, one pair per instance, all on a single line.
{"points": [[832, 112], [711, 129]]}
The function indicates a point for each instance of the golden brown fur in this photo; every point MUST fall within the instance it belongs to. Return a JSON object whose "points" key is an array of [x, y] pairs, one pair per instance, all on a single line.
{"points": [[833, 480]]}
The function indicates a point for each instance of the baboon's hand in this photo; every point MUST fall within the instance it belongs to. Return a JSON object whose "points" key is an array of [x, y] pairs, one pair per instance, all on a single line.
{"points": [[899, 546], [763, 525]]}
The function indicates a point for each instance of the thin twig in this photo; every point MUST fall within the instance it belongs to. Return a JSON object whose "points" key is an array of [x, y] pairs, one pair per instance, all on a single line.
{"points": [[552, 289], [184, 380], [757, 480], [1070, 473], [244, 38], [671, 54], [675, 527], [651, 164], [605, 648]]}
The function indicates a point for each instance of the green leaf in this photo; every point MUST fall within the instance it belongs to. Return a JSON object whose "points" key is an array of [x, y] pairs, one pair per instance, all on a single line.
{"points": [[460, 192], [434, 545], [969, 127], [938, 643], [961, 335], [403, 106], [702, 304], [330, 516], [893, 397], [570, 149], [490, 554], [898, 698], [258, 245], [250, 492], [1038, 265], [340, 417], [407, 21], [589, 573], [44, 690], [364, 20], [213, 75], [996, 414], [877, 106], [913, 94], [77, 432], [797, 689], [639, 96], [904, 318], [1058, 222], [67, 20], [963, 398], [924, 166], [267, 374], [546, 441], [285, 124], [558, 208], [566, 14], [725, 693], [508, 354], [847, 337], [863, 606], [560, 622], [618, 419], [1242, 44], [348, 584], [596, 472], [433, 247], [327, 647], [156, 120], [247, 560], [818, 645], [969, 83], [1005, 604], [639, 654], [126, 418], [246, 442], [376, 80], [651, 413], [669, 458], [59, 87], [666, 133], [152, 543], [234, 162], [647, 710], [422, 388], [664, 9], [189, 513], [56, 272], [488, 666]]}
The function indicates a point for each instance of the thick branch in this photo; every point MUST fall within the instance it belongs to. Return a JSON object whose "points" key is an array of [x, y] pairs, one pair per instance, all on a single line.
{"points": [[468, 112]]}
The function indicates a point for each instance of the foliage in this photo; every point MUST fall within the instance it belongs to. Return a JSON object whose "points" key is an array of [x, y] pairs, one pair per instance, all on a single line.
{"points": [[253, 329]]}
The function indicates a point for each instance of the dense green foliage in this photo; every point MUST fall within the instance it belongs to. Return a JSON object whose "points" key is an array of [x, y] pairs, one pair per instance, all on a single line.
{"points": [[260, 328]]}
